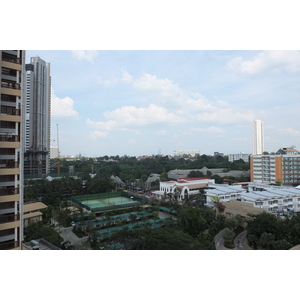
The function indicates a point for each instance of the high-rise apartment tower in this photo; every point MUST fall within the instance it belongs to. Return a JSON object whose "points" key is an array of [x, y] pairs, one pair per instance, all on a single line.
{"points": [[37, 118], [11, 148], [257, 137]]}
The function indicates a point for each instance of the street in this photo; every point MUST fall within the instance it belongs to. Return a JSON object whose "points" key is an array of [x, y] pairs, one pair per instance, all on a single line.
{"points": [[240, 241]]}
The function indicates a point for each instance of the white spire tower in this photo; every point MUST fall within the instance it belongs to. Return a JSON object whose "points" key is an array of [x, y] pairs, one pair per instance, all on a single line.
{"points": [[257, 137]]}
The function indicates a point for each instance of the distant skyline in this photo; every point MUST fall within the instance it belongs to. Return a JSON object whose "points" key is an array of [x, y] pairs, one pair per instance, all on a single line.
{"points": [[139, 102]]}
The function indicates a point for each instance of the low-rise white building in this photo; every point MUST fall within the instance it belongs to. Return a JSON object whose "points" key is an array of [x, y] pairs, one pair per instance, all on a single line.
{"points": [[224, 193], [275, 199], [270, 198], [183, 187]]}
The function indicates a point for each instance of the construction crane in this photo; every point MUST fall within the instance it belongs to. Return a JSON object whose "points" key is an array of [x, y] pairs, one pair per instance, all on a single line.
{"points": [[58, 154]]}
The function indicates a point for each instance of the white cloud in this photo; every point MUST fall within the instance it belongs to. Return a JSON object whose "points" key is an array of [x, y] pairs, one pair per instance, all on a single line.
{"points": [[274, 61], [107, 126], [165, 90], [210, 129], [85, 54], [151, 82], [96, 134], [126, 77], [131, 115], [170, 105], [131, 118], [62, 107], [289, 131], [105, 82]]}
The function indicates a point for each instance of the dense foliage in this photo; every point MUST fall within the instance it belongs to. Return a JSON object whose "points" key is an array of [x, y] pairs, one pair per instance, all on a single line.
{"points": [[130, 168], [269, 232], [39, 230]]}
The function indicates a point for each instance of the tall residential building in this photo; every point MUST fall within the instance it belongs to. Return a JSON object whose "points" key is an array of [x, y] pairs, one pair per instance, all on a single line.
{"points": [[37, 118], [282, 167], [11, 148], [53, 152], [257, 137]]}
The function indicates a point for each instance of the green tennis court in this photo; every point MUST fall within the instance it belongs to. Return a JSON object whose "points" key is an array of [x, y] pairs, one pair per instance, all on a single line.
{"points": [[105, 201]]}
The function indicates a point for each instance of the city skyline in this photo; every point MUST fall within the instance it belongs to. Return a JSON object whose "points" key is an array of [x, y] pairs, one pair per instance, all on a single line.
{"points": [[145, 102]]}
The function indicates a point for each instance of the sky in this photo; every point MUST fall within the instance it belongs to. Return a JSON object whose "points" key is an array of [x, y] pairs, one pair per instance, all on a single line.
{"points": [[145, 102]]}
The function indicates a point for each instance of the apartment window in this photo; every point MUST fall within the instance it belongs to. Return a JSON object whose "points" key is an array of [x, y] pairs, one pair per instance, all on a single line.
{"points": [[10, 72], [9, 125]]}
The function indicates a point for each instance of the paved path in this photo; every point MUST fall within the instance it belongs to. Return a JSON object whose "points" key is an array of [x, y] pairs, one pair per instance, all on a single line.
{"points": [[68, 235], [240, 241]]}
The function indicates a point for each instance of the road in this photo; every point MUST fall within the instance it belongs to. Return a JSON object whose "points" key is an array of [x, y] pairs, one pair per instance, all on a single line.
{"points": [[68, 235], [240, 242]]}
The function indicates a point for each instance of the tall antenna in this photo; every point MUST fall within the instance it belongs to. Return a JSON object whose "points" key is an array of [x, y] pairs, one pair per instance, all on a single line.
{"points": [[58, 162]]}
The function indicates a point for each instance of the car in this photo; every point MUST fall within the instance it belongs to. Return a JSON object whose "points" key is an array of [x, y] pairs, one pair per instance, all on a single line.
{"points": [[72, 223]]}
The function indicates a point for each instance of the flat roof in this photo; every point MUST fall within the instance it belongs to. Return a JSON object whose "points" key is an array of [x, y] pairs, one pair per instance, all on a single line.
{"points": [[32, 215], [241, 208], [252, 196], [34, 206]]}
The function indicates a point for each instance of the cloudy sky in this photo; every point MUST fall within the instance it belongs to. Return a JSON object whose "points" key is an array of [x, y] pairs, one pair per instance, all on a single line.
{"points": [[142, 102]]}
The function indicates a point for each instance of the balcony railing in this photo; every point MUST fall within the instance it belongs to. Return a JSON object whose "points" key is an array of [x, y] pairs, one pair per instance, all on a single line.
{"points": [[9, 191], [9, 138], [7, 205], [7, 232], [10, 111], [9, 245], [11, 85], [11, 59], [8, 164], [9, 218]]}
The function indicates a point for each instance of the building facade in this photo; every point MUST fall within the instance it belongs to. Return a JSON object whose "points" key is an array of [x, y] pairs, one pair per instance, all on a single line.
{"points": [[233, 157], [11, 148], [273, 199], [192, 153], [182, 188], [278, 200], [275, 169], [37, 118], [53, 152], [223, 193], [257, 137]]}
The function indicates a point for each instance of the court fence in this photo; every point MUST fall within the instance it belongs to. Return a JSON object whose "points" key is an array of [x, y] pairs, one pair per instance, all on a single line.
{"points": [[136, 201]]}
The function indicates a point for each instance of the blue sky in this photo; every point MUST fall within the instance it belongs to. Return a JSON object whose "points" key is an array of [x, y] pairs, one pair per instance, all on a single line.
{"points": [[142, 102]]}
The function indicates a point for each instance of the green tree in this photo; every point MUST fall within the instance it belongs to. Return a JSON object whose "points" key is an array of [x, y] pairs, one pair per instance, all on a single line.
{"points": [[164, 176], [267, 239], [231, 223], [167, 239], [191, 220], [39, 230], [228, 235], [261, 223], [282, 245]]}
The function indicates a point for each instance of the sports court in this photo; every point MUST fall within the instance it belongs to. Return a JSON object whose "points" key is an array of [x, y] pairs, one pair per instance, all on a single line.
{"points": [[104, 201]]}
